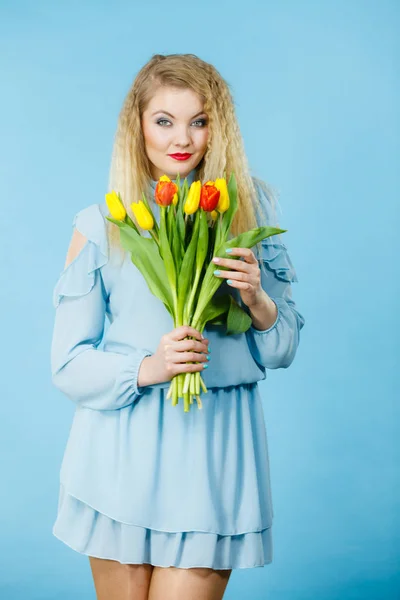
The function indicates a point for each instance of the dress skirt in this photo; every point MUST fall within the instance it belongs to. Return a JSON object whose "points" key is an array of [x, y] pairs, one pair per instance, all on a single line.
{"points": [[91, 531]]}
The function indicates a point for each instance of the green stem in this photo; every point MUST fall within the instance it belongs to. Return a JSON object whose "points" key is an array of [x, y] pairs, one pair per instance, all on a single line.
{"points": [[154, 236], [129, 221], [189, 304]]}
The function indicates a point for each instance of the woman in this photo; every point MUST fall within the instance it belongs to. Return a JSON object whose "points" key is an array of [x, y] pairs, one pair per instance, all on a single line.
{"points": [[164, 501]]}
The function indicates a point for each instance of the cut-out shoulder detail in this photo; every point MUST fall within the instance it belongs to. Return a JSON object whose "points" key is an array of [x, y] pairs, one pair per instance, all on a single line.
{"points": [[77, 243], [87, 254]]}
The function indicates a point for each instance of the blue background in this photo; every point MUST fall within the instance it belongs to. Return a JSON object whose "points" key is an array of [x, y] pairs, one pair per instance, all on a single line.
{"points": [[317, 92]]}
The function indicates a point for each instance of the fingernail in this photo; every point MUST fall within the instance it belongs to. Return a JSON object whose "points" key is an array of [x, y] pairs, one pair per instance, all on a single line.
{"points": [[229, 281], [202, 337], [207, 357], [216, 259], [217, 272], [228, 251], [205, 366], [208, 350]]}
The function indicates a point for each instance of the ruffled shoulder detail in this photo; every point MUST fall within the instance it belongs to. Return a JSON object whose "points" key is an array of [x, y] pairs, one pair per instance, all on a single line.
{"points": [[274, 252], [276, 257], [78, 278]]}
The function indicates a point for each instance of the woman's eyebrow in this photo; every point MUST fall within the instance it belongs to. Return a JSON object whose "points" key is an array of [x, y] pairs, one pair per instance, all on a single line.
{"points": [[165, 112]]}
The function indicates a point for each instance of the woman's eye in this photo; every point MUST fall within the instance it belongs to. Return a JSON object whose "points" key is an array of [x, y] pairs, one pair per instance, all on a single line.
{"points": [[202, 122], [166, 122], [162, 121]]}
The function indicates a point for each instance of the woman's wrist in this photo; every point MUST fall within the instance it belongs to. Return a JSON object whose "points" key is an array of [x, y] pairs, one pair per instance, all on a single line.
{"points": [[146, 371], [264, 313]]}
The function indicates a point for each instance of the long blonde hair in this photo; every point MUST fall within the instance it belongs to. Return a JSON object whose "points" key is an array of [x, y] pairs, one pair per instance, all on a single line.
{"points": [[130, 172]]}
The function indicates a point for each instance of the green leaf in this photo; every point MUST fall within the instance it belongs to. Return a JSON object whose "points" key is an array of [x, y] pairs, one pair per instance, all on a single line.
{"points": [[248, 239], [145, 255], [237, 321], [211, 240], [224, 310], [228, 215], [210, 282], [216, 308], [167, 256], [170, 216], [186, 271], [176, 246], [202, 245], [180, 226], [209, 286], [201, 253]]}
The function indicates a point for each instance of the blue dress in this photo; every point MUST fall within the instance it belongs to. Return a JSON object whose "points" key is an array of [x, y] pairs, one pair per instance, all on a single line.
{"points": [[142, 481]]}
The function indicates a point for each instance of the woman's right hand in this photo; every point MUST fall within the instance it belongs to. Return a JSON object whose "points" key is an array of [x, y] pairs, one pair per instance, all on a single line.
{"points": [[172, 356]]}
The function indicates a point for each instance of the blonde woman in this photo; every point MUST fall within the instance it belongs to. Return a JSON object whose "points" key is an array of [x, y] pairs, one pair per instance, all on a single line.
{"points": [[166, 503]]}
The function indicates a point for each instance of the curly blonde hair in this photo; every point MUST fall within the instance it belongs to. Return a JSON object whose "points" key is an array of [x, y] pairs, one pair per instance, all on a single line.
{"points": [[130, 172]]}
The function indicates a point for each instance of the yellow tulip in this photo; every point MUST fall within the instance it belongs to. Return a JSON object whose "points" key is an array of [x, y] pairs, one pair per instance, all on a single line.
{"points": [[214, 215], [164, 178], [175, 199], [193, 198], [115, 206], [223, 203], [143, 217]]}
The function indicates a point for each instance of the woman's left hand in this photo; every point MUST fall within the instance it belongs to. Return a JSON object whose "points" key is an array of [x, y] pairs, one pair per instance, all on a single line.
{"points": [[245, 275]]}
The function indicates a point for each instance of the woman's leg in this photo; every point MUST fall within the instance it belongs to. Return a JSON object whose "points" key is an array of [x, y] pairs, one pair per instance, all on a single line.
{"points": [[115, 581], [170, 583]]}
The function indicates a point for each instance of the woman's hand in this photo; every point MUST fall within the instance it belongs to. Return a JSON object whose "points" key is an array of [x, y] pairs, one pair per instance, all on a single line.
{"points": [[245, 275], [173, 356]]}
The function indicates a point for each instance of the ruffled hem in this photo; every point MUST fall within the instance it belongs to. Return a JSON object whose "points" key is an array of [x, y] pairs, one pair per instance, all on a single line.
{"points": [[78, 278], [92, 533]]}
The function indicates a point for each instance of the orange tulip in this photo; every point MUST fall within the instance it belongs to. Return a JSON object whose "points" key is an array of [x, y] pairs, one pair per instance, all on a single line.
{"points": [[165, 191], [209, 196]]}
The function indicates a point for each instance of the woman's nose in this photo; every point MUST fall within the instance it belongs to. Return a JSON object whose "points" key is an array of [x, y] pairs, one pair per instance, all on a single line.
{"points": [[182, 137]]}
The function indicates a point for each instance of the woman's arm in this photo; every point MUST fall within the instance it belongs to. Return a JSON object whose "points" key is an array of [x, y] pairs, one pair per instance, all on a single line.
{"points": [[275, 346], [274, 335], [90, 377]]}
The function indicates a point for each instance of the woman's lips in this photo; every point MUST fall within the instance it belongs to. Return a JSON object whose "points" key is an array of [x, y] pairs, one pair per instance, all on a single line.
{"points": [[179, 156]]}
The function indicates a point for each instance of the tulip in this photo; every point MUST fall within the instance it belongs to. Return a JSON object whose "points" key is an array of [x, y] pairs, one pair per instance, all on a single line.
{"points": [[143, 217], [165, 191], [209, 196], [115, 206], [214, 214], [193, 198], [223, 203], [175, 199]]}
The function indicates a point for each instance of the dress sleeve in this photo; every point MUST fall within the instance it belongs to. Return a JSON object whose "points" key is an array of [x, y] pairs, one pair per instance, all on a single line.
{"points": [[276, 347], [90, 377]]}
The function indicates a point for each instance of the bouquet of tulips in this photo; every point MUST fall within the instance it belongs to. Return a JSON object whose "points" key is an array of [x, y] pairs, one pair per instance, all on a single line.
{"points": [[176, 259]]}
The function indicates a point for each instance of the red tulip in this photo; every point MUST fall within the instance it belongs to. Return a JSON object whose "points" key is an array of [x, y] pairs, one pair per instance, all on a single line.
{"points": [[209, 196], [165, 191]]}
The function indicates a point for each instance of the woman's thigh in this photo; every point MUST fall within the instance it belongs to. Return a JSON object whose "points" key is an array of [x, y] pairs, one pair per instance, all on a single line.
{"points": [[116, 581], [170, 583]]}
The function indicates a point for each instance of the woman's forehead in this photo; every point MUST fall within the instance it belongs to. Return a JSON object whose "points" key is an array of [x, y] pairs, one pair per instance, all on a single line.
{"points": [[184, 101]]}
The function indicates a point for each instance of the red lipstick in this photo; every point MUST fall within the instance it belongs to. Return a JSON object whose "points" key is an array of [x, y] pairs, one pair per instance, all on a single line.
{"points": [[180, 156]]}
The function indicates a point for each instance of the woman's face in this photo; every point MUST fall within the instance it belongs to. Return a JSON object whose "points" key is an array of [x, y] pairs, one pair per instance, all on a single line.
{"points": [[175, 131]]}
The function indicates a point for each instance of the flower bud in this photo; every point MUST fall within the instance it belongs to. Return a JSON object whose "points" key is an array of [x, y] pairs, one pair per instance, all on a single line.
{"points": [[165, 191], [209, 196], [143, 217], [115, 206], [223, 203], [193, 198]]}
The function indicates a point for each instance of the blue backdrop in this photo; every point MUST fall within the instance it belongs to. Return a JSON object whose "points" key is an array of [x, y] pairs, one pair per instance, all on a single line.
{"points": [[317, 92]]}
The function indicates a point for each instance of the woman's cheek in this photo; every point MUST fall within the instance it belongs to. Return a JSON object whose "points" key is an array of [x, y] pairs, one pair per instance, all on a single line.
{"points": [[201, 139]]}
